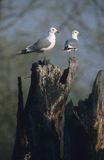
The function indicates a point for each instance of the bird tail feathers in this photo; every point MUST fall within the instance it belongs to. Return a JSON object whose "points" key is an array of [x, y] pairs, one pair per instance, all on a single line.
{"points": [[24, 51]]}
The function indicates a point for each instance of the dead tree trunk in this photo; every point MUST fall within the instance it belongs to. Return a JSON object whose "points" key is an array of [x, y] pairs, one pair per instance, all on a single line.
{"points": [[98, 114], [84, 125], [43, 117], [50, 127]]}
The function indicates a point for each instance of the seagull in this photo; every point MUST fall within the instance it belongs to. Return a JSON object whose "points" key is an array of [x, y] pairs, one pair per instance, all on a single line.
{"points": [[71, 45], [43, 44]]}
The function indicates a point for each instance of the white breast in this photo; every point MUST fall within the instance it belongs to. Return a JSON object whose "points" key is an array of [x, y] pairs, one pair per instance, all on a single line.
{"points": [[52, 39]]}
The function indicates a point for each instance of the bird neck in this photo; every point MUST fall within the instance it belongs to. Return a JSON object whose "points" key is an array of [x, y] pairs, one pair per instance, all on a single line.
{"points": [[51, 36], [74, 37]]}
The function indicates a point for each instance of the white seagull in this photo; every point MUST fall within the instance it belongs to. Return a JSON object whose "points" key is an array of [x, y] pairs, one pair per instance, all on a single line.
{"points": [[43, 44], [72, 44]]}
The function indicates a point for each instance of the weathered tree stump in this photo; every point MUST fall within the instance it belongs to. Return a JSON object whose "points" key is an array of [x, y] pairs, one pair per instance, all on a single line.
{"points": [[98, 112], [49, 127], [84, 125], [43, 116]]}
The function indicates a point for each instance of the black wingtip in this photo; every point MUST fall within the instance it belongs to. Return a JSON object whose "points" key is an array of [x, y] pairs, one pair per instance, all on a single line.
{"points": [[22, 52]]}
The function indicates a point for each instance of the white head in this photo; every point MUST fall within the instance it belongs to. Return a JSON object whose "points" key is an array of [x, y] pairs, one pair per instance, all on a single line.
{"points": [[53, 30], [75, 34]]}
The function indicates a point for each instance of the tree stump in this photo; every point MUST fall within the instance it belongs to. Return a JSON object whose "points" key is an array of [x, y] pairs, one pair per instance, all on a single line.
{"points": [[84, 125], [50, 127], [43, 117]]}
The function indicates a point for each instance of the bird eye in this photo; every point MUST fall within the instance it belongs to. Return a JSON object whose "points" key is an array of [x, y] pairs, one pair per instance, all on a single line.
{"points": [[53, 29]]}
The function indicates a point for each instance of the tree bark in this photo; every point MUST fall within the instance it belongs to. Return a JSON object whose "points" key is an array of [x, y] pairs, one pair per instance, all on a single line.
{"points": [[50, 127], [84, 125], [43, 115]]}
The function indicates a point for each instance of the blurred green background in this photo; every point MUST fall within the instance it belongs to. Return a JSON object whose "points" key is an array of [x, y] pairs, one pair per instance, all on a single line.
{"points": [[22, 22]]}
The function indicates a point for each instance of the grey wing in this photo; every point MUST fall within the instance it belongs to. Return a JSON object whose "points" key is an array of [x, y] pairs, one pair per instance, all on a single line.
{"points": [[72, 43], [39, 45]]}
